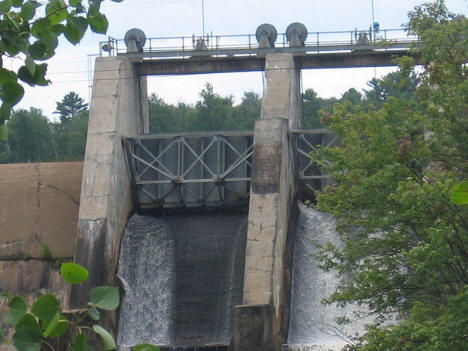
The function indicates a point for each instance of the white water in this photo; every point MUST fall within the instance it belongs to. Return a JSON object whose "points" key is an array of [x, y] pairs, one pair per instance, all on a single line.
{"points": [[182, 275], [146, 269], [313, 324]]}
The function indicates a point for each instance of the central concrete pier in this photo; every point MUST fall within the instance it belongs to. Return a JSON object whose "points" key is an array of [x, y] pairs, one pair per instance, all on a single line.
{"points": [[263, 318]]}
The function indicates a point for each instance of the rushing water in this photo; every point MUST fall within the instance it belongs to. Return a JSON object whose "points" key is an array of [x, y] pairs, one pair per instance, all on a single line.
{"points": [[182, 275], [313, 325]]}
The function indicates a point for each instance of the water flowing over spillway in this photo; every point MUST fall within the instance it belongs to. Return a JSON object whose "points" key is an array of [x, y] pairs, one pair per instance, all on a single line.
{"points": [[313, 325], [146, 270], [182, 275]]}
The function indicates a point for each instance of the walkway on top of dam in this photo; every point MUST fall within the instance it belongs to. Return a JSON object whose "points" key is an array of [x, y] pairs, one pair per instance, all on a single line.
{"points": [[246, 52]]}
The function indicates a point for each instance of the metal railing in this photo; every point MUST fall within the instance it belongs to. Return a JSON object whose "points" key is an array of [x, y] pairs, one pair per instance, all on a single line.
{"points": [[246, 44], [190, 170]]}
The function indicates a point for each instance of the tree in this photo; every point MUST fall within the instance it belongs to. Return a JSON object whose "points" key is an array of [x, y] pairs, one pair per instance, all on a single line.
{"points": [[29, 31], [70, 139], [247, 112], [30, 139], [212, 112], [165, 118], [405, 244], [312, 105], [70, 105]]}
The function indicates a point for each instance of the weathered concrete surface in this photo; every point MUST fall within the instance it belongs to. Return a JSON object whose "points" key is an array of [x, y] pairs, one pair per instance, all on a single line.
{"points": [[282, 90], [266, 280], [118, 109], [253, 330], [38, 209]]}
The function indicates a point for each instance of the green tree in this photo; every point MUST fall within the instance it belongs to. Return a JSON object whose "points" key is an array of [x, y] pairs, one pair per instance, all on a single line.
{"points": [[70, 105], [213, 112], [165, 118], [405, 244], [70, 140], [29, 31], [29, 139], [311, 107], [247, 112]]}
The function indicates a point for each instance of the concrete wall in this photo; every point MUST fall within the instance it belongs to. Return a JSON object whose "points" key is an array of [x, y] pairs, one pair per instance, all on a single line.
{"points": [[38, 216], [117, 109]]}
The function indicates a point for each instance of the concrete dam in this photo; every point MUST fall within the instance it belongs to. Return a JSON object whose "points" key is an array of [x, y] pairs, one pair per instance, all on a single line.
{"points": [[205, 232]]}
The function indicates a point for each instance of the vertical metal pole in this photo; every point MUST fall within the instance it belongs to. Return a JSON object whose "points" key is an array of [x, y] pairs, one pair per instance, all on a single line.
{"points": [[203, 16], [373, 21]]}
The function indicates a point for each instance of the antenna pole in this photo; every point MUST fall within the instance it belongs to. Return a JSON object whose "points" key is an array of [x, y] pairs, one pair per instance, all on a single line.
{"points": [[203, 16]]}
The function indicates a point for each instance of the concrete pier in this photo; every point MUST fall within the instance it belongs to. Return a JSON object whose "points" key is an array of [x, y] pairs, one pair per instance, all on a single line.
{"points": [[118, 109], [271, 202]]}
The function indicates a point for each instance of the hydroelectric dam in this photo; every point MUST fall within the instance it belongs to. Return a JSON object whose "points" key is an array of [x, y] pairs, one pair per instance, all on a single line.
{"points": [[205, 232]]}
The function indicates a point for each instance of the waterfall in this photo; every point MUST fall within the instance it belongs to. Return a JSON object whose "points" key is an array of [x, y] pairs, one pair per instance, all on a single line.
{"points": [[182, 275], [312, 324], [146, 270]]}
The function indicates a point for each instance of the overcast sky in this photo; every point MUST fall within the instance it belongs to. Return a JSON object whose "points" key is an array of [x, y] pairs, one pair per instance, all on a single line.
{"points": [[69, 70]]}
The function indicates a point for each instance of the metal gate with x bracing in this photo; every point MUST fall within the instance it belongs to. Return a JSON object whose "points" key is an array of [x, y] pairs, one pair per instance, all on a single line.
{"points": [[190, 170]]}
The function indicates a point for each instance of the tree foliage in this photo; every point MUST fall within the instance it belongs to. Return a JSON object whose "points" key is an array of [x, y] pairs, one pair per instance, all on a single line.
{"points": [[29, 31], [70, 105], [405, 244], [33, 138]]}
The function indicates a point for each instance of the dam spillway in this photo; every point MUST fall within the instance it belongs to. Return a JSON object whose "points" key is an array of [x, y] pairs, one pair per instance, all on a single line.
{"points": [[264, 172], [313, 324], [182, 276]]}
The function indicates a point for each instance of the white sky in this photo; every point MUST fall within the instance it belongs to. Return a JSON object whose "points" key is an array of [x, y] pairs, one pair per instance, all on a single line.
{"points": [[69, 69]]}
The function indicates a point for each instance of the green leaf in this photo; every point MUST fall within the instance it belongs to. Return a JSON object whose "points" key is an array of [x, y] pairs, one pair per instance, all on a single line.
{"points": [[146, 347], [52, 325], [105, 297], [37, 79], [5, 5], [12, 93], [3, 135], [27, 335], [94, 313], [17, 307], [5, 112], [45, 307], [30, 65], [38, 50], [75, 3], [75, 29], [60, 328], [107, 339], [98, 23], [56, 10], [7, 76], [73, 273], [80, 343], [28, 10], [459, 194]]}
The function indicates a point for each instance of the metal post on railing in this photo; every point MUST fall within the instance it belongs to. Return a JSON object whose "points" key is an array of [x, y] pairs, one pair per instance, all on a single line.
{"points": [[249, 43], [183, 44], [318, 43], [351, 37]]}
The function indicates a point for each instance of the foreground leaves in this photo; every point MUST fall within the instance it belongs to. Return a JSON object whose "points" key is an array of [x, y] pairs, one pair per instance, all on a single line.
{"points": [[30, 31]]}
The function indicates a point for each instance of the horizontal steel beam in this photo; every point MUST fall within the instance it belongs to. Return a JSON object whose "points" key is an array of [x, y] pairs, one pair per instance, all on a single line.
{"points": [[201, 65]]}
